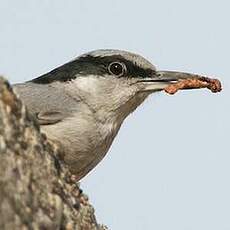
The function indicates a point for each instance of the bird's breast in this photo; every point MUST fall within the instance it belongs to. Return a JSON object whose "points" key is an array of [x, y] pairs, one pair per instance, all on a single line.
{"points": [[84, 142]]}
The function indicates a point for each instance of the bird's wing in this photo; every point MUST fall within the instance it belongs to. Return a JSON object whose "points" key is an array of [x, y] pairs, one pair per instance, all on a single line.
{"points": [[49, 117], [49, 105]]}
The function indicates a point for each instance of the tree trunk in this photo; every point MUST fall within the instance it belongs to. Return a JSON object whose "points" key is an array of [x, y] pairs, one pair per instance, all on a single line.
{"points": [[35, 188]]}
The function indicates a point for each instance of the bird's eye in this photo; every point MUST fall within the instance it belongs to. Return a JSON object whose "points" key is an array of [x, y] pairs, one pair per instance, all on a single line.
{"points": [[117, 68]]}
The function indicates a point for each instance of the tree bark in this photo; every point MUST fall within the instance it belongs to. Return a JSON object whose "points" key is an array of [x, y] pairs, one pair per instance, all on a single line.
{"points": [[35, 187]]}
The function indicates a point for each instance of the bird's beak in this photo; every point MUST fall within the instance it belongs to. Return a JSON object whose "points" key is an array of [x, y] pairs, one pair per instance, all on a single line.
{"points": [[162, 79]]}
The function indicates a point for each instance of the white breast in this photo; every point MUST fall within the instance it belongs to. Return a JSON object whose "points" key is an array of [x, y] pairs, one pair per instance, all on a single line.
{"points": [[83, 141]]}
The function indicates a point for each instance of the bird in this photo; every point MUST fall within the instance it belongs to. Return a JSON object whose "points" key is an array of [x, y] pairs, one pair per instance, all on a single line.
{"points": [[81, 105]]}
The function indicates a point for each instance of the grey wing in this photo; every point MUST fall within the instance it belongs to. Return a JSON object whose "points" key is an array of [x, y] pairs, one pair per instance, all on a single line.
{"points": [[48, 104]]}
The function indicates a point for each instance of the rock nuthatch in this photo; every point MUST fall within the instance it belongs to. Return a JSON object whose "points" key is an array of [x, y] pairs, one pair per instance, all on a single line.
{"points": [[82, 104]]}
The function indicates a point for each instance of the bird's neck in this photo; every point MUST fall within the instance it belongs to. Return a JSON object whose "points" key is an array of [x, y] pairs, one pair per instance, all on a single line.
{"points": [[109, 100]]}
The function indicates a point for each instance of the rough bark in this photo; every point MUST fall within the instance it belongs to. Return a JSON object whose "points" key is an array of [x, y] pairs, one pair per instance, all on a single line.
{"points": [[35, 188]]}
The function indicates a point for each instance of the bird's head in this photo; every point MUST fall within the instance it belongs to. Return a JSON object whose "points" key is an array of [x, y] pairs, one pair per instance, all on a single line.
{"points": [[111, 80]]}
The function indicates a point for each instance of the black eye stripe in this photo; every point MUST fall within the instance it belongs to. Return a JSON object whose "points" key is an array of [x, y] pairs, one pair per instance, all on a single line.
{"points": [[90, 65], [133, 70]]}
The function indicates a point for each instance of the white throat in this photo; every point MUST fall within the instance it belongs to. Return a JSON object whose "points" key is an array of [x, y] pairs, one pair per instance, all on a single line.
{"points": [[110, 99]]}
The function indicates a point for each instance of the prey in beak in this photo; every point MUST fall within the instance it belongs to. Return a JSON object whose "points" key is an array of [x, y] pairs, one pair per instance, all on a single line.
{"points": [[171, 82]]}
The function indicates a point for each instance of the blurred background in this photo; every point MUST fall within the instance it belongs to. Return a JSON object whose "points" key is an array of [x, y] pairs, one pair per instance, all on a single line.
{"points": [[169, 166]]}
